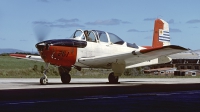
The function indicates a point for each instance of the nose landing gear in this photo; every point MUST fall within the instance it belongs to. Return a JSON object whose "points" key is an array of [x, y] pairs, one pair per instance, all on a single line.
{"points": [[44, 79]]}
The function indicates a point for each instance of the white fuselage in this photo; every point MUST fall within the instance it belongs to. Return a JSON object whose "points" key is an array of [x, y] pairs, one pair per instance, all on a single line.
{"points": [[94, 49], [101, 49]]}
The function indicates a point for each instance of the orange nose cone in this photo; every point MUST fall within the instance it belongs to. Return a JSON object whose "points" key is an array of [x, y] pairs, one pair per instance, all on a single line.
{"points": [[60, 52]]}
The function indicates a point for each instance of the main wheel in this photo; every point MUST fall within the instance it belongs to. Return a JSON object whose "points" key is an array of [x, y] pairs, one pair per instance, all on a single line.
{"points": [[113, 79], [65, 78], [64, 74], [43, 81]]}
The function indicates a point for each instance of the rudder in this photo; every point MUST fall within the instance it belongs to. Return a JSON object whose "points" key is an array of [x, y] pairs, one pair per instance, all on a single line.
{"points": [[161, 35]]}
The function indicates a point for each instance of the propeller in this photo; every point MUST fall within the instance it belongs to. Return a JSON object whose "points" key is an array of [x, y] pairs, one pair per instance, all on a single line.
{"points": [[41, 32]]}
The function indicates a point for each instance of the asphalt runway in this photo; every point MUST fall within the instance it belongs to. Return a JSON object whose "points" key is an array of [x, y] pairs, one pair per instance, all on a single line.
{"points": [[134, 94], [33, 83], [27, 83]]}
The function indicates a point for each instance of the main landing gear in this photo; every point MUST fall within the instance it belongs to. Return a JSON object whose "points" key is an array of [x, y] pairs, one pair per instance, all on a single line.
{"points": [[112, 78], [118, 69], [64, 74]]}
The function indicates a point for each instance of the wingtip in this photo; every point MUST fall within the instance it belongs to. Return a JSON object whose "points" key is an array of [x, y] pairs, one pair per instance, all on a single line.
{"points": [[169, 46], [177, 47], [18, 55]]}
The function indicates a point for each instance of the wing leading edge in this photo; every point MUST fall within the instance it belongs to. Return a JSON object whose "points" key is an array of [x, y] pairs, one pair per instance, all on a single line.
{"points": [[131, 58]]}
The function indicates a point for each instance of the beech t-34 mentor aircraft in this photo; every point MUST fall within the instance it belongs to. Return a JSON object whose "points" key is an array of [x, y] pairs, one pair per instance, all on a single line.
{"points": [[100, 49]]}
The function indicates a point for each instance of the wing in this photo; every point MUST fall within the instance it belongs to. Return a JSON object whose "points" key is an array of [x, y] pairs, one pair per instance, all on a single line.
{"points": [[131, 58], [28, 57]]}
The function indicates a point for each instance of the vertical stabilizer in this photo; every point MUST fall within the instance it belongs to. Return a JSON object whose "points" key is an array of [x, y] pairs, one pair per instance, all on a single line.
{"points": [[161, 35]]}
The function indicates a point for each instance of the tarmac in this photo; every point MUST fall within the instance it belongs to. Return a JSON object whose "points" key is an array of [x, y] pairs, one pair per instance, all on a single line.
{"points": [[29, 88], [33, 83], [130, 94]]}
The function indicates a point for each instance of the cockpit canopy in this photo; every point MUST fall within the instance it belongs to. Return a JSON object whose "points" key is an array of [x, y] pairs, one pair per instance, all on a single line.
{"points": [[98, 37]]}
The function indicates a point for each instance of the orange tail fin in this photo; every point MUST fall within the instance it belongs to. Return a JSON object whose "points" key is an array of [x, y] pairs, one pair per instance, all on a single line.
{"points": [[161, 35]]}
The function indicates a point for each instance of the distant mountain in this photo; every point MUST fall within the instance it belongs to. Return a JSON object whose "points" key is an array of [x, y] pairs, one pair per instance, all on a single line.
{"points": [[10, 50]]}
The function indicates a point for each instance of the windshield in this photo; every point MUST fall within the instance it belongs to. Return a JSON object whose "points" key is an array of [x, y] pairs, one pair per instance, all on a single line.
{"points": [[78, 34], [115, 39]]}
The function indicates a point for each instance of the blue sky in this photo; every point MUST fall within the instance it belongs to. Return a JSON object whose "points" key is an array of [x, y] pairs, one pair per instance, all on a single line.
{"points": [[132, 20]]}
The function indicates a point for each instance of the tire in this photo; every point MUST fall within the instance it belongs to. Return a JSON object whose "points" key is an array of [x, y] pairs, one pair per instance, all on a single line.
{"points": [[64, 74], [65, 78], [113, 79], [43, 81]]}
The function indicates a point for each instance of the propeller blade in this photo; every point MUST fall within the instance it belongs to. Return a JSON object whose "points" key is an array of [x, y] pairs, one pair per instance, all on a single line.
{"points": [[41, 32]]}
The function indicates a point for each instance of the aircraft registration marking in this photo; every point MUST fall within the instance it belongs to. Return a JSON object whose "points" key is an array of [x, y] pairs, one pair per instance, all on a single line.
{"points": [[63, 53]]}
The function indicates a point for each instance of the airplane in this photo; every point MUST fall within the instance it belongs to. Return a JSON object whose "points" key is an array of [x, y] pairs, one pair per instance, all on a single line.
{"points": [[100, 49]]}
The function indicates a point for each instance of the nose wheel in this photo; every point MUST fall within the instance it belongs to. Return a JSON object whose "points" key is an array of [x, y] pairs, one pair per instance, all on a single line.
{"points": [[44, 79]]}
